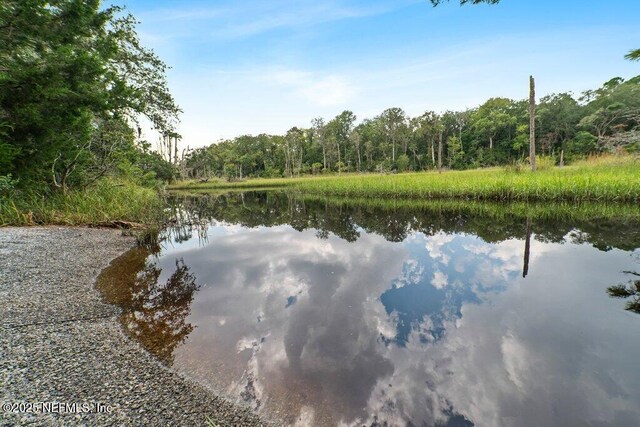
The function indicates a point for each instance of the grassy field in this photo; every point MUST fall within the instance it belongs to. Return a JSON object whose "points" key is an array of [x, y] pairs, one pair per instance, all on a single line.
{"points": [[612, 178], [107, 202]]}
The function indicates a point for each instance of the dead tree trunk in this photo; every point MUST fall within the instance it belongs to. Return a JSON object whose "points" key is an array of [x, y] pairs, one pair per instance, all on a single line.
{"points": [[440, 152], [324, 158], [433, 151], [532, 123], [175, 150]]}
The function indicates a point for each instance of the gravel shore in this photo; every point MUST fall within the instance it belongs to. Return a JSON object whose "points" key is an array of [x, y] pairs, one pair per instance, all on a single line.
{"points": [[60, 343]]}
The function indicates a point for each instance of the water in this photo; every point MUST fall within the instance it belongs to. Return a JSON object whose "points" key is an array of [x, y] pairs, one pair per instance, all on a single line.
{"points": [[321, 312]]}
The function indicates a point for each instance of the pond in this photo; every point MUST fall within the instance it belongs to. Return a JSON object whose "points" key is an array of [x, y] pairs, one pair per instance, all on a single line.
{"points": [[330, 312]]}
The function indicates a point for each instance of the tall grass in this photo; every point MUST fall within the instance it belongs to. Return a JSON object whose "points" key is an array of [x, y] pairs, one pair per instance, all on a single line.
{"points": [[561, 211], [614, 178], [106, 202]]}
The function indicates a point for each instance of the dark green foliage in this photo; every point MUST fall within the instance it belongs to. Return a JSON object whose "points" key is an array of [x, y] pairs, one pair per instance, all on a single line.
{"points": [[582, 144], [632, 291], [150, 161], [73, 79], [634, 55]]}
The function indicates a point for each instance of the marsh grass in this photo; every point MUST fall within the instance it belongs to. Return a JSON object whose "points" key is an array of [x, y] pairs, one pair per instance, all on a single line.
{"points": [[563, 211], [108, 201], [611, 178]]}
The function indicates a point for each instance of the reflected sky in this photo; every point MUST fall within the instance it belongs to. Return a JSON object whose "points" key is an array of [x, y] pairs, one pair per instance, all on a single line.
{"points": [[437, 329]]}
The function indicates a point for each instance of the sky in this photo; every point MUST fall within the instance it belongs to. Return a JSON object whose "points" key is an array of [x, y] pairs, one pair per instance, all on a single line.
{"points": [[263, 66]]}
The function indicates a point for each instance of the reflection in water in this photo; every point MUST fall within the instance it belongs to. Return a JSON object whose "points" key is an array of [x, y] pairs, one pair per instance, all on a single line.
{"points": [[527, 249], [155, 312], [324, 313], [630, 290]]}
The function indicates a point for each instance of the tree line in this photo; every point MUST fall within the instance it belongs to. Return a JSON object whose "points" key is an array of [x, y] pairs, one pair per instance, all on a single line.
{"points": [[495, 133]]}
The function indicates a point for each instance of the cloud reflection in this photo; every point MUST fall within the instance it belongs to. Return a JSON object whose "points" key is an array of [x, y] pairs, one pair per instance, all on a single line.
{"points": [[428, 330]]}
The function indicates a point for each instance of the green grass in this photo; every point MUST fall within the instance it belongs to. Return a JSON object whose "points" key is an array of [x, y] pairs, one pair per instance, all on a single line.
{"points": [[561, 211], [102, 204], [613, 178]]}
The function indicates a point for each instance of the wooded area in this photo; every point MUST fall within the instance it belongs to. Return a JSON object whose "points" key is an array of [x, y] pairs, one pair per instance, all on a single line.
{"points": [[74, 81], [497, 132]]}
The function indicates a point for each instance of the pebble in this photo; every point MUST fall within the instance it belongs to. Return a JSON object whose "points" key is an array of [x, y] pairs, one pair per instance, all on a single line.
{"points": [[60, 342]]}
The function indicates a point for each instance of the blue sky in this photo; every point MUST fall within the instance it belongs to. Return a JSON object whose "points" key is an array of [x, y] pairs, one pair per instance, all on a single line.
{"points": [[247, 67]]}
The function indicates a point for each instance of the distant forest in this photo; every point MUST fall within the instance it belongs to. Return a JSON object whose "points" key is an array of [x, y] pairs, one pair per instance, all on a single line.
{"points": [[495, 133]]}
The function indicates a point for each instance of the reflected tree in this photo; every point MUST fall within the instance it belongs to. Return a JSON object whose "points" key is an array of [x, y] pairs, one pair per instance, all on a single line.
{"points": [[630, 290], [157, 312], [396, 219], [527, 249]]}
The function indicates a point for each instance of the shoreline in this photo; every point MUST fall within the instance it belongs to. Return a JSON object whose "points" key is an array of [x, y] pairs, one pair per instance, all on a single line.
{"points": [[604, 179], [60, 342]]}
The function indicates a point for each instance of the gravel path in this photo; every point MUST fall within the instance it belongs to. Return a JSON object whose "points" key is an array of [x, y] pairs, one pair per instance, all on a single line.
{"points": [[60, 343]]}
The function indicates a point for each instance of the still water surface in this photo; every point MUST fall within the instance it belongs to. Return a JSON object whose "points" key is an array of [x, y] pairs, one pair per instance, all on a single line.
{"points": [[324, 313]]}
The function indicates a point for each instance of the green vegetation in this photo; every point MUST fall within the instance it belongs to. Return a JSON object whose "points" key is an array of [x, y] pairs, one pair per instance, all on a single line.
{"points": [[107, 202], [614, 178], [496, 133], [74, 81]]}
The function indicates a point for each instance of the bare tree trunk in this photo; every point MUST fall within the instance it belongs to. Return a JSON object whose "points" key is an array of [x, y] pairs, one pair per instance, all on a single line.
{"points": [[393, 150], [491, 143], [433, 152], [532, 123], [562, 158], [440, 152], [300, 164], [175, 150], [324, 157]]}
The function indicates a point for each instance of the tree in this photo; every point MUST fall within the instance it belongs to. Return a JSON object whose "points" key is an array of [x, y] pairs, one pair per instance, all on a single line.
{"points": [[319, 136], [532, 123], [492, 117], [612, 108], [557, 118], [456, 154], [293, 151], [356, 139], [393, 120], [633, 55], [339, 129], [428, 127], [68, 67], [602, 121]]}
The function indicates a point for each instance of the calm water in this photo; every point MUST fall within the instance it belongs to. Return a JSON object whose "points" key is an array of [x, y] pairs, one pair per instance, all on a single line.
{"points": [[323, 313]]}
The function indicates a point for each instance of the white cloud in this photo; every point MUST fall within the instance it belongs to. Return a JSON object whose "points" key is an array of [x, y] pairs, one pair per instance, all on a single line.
{"points": [[321, 90], [436, 245], [440, 280]]}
